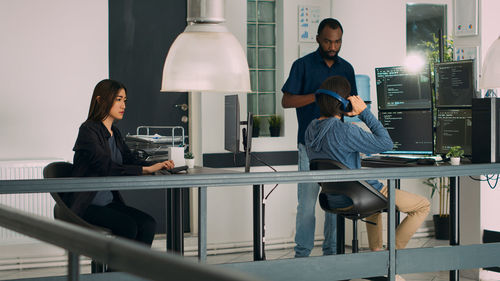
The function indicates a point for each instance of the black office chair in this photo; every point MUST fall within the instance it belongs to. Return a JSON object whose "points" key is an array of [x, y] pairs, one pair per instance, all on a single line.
{"points": [[366, 199], [64, 213]]}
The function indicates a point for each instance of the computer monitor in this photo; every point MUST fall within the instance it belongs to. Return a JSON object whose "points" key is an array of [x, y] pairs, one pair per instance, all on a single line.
{"points": [[410, 130], [454, 127], [232, 123], [455, 84], [398, 88]]}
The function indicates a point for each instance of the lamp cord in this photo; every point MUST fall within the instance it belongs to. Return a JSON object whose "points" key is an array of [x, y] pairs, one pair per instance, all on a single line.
{"points": [[263, 162], [490, 179]]}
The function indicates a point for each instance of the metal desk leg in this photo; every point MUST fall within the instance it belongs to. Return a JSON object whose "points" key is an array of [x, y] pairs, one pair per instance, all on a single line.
{"points": [[202, 223], [397, 185], [175, 228], [454, 220], [258, 223], [391, 229], [168, 213], [340, 235], [73, 266]]}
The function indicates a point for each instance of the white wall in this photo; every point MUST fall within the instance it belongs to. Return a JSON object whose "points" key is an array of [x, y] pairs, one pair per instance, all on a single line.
{"points": [[229, 213], [490, 31], [52, 54]]}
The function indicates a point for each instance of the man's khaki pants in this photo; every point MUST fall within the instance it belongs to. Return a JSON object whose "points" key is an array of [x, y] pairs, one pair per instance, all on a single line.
{"points": [[415, 206]]}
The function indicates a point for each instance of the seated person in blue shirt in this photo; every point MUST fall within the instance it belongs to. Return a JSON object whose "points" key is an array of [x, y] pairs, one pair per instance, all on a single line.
{"points": [[328, 137]]}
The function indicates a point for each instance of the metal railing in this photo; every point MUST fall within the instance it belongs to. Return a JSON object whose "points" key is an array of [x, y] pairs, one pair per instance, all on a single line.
{"points": [[237, 179], [319, 268], [118, 253]]}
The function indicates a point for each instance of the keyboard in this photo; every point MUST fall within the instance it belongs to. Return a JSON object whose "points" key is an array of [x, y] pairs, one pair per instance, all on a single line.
{"points": [[388, 161], [174, 170]]}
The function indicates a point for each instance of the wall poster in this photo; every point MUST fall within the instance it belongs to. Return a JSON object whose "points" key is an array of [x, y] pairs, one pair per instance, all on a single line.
{"points": [[465, 14], [308, 18]]}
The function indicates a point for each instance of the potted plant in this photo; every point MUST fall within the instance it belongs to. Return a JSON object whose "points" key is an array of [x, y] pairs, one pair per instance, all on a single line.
{"points": [[256, 126], [274, 125], [455, 153], [441, 220], [189, 157]]}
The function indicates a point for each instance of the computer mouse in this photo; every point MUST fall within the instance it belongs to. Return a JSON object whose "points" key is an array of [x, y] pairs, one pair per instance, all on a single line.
{"points": [[426, 161]]}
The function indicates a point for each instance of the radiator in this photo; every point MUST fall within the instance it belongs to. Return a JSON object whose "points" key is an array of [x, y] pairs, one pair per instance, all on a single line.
{"points": [[35, 203]]}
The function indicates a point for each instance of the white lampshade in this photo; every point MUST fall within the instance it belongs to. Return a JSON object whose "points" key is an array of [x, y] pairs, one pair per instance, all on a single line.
{"points": [[490, 76], [206, 57]]}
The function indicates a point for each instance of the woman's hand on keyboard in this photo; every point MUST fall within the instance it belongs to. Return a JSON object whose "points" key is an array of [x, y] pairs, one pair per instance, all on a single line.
{"points": [[169, 164]]}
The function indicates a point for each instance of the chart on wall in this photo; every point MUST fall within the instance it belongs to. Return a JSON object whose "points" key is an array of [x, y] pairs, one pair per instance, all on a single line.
{"points": [[308, 18], [465, 12]]}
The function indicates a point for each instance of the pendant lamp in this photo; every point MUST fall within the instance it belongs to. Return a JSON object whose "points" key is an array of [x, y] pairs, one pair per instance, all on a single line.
{"points": [[206, 57]]}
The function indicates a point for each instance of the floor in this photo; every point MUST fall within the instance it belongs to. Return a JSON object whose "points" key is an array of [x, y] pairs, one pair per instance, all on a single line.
{"points": [[245, 256]]}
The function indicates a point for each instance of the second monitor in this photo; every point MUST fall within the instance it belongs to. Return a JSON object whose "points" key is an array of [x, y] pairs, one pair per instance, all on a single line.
{"points": [[455, 85], [454, 128]]}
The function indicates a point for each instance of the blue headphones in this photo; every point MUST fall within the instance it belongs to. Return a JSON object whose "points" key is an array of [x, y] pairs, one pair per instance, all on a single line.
{"points": [[345, 104]]}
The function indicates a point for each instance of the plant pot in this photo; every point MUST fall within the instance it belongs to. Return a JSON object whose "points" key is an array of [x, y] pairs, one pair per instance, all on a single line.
{"points": [[455, 160], [190, 163], [441, 227], [255, 132], [275, 131]]}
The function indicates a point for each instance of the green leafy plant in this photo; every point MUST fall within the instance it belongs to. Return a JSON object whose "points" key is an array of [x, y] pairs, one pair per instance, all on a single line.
{"points": [[274, 121], [455, 151], [188, 155], [443, 189], [432, 49]]}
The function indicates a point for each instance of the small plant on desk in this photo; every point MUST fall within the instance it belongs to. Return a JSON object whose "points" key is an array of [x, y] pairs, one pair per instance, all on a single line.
{"points": [[189, 158], [455, 153]]}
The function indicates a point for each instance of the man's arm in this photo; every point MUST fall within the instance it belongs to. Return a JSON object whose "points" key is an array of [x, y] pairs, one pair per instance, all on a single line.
{"points": [[295, 101]]}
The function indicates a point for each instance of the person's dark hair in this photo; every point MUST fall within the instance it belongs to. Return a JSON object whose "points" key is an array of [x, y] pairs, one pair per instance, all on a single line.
{"points": [[331, 23], [106, 90], [328, 105]]}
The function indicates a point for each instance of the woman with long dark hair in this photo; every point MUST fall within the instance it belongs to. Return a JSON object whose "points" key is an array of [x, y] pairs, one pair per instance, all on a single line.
{"points": [[101, 151]]}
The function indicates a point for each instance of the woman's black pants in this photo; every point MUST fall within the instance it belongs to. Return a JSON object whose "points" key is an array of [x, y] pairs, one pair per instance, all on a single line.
{"points": [[123, 221]]}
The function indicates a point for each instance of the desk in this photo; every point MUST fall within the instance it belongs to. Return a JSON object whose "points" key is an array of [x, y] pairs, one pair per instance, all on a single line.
{"points": [[454, 213], [174, 214]]}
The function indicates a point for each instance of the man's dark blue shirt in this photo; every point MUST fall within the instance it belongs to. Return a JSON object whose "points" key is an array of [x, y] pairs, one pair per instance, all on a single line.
{"points": [[306, 76]]}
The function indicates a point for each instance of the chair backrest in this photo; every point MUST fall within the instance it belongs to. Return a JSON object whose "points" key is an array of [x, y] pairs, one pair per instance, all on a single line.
{"points": [[58, 170], [61, 210], [366, 199]]}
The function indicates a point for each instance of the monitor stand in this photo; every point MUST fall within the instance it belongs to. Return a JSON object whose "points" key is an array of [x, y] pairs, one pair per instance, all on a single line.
{"points": [[258, 195]]}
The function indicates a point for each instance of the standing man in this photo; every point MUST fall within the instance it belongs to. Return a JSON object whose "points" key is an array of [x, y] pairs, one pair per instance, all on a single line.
{"points": [[305, 78]]}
